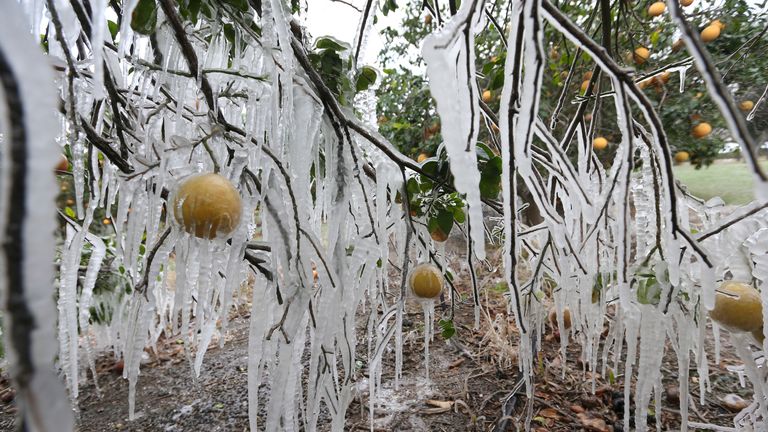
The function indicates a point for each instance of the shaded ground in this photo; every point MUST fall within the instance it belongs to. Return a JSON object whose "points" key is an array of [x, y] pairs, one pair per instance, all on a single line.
{"points": [[472, 379]]}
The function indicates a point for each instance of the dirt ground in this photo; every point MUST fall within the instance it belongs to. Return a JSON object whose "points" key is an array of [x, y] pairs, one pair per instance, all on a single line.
{"points": [[470, 387]]}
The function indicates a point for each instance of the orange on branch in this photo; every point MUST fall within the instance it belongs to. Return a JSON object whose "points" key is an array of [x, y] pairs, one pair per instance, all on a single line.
{"points": [[207, 206], [599, 143], [63, 164], [682, 156], [738, 307], [746, 105], [710, 33], [686, 2], [487, 96], [641, 55], [422, 157], [657, 9], [426, 281], [428, 19], [701, 130], [438, 235]]}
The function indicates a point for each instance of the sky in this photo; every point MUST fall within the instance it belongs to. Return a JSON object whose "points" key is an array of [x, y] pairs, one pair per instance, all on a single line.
{"points": [[333, 18]]}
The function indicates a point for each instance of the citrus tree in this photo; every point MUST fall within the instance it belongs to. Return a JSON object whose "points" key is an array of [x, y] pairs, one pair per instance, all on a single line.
{"points": [[238, 159]]}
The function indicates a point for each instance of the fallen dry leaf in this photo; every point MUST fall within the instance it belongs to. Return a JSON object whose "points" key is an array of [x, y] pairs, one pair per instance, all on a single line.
{"points": [[592, 423], [577, 409], [734, 402], [458, 362], [549, 413], [439, 403]]}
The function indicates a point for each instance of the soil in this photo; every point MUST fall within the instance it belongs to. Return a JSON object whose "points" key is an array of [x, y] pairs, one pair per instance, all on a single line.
{"points": [[473, 378]]}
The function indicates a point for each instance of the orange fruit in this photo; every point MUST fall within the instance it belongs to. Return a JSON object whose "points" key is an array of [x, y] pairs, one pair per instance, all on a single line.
{"points": [[599, 143], [746, 105], [718, 23], [422, 157], [686, 2], [584, 86], [487, 96], [63, 164], [106, 221], [701, 130], [425, 281], [641, 55], [738, 307], [428, 19], [657, 9], [682, 156], [207, 206], [710, 33]]}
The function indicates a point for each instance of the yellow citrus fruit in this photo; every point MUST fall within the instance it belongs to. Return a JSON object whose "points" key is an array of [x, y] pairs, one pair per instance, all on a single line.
{"points": [[746, 105], [106, 221], [738, 307], [426, 281], [718, 23], [710, 33], [599, 143], [422, 157], [487, 96], [641, 55], [207, 205], [566, 318], [686, 2], [682, 156], [657, 9], [584, 86], [701, 130]]}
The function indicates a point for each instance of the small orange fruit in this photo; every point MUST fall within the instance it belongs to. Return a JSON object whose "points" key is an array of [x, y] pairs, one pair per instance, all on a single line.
{"points": [[710, 33], [657, 9], [106, 221], [599, 143], [686, 2], [682, 156], [207, 205], [701, 130], [641, 55], [487, 96], [422, 157], [426, 281], [428, 19], [63, 164], [584, 86], [746, 105]]}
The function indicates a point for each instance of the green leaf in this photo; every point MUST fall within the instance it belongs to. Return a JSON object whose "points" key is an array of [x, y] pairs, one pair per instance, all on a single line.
{"points": [[144, 17], [490, 178], [113, 29], [458, 215], [447, 330], [69, 212], [442, 220], [366, 78], [330, 43]]}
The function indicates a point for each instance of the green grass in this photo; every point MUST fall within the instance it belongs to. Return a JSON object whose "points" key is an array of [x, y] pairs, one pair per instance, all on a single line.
{"points": [[730, 180]]}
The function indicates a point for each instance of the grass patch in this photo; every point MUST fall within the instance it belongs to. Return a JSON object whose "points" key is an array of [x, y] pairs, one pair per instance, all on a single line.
{"points": [[730, 180]]}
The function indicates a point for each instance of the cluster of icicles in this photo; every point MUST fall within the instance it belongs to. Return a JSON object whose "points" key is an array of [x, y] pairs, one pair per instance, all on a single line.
{"points": [[317, 210]]}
